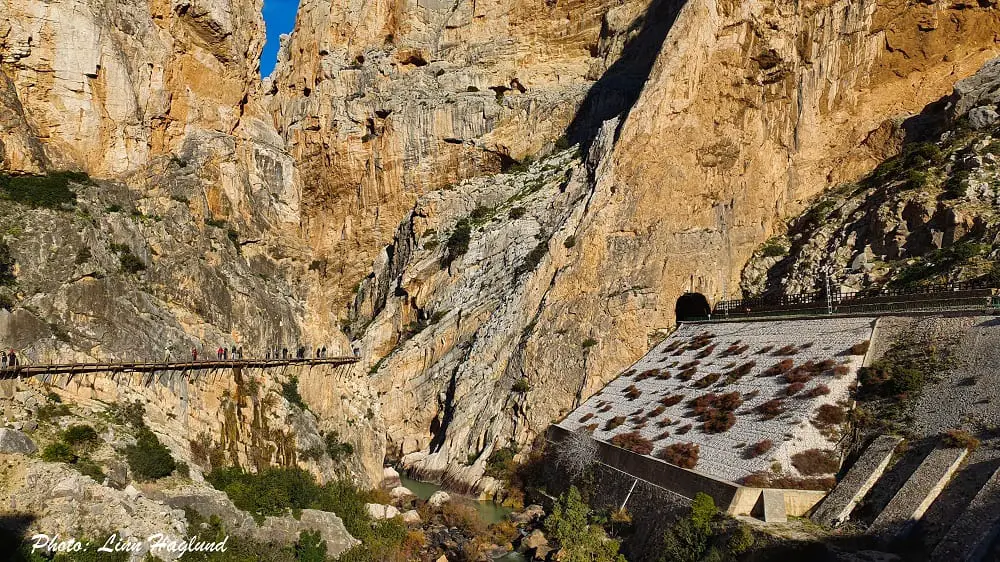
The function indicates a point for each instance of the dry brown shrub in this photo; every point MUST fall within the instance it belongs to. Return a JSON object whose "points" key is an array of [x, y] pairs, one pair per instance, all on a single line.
{"points": [[671, 400], [634, 442], [683, 429], [771, 409], [818, 390], [631, 392], [706, 352], [798, 375], [718, 421], [614, 422], [707, 380], [959, 438], [759, 448], [794, 388], [765, 349], [684, 455], [786, 350], [778, 368], [687, 374], [586, 417], [729, 401], [814, 462], [656, 411], [829, 415]]}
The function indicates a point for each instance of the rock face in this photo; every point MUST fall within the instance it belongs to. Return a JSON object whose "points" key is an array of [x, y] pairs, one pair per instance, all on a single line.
{"points": [[237, 212], [926, 216], [108, 87], [382, 101], [748, 111]]}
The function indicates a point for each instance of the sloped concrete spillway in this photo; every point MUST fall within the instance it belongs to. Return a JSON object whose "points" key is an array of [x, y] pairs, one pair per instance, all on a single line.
{"points": [[754, 359]]}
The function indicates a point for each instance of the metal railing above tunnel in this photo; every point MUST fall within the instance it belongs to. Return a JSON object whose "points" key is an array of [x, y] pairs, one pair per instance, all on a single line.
{"points": [[972, 295]]}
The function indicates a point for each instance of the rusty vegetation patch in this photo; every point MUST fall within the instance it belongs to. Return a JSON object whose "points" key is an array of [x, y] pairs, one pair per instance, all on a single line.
{"points": [[759, 448], [815, 462], [634, 442], [684, 455]]}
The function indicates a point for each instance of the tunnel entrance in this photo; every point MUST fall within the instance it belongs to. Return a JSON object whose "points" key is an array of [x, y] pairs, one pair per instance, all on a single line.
{"points": [[692, 306]]}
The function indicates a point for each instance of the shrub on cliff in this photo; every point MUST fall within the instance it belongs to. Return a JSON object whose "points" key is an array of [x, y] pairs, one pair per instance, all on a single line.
{"points": [[689, 540], [458, 242], [50, 191], [148, 459]]}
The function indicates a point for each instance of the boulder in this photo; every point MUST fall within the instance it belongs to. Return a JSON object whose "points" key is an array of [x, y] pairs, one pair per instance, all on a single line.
{"points": [[14, 441], [71, 486], [983, 117], [390, 478], [411, 517], [286, 530], [533, 512], [380, 511], [401, 493], [535, 540], [439, 498]]}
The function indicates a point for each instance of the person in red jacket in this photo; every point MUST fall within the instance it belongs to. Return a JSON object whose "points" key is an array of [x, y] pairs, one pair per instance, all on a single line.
{"points": [[194, 354]]}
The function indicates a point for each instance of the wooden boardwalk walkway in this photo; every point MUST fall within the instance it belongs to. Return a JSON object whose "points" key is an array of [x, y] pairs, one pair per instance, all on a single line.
{"points": [[24, 371]]}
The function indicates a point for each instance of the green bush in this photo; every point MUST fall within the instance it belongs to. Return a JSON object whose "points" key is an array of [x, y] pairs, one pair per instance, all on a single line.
{"points": [[589, 342], [81, 434], [7, 261], [570, 241], [290, 391], [310, 547], [59, 452], [517, 212], [148, 458], [130, 263], [335, 448], [458, 242], [88, 467], [689, 540], [500, 464], [521, 385], [49, 191], [533, 258], [570, 525], [274, 491], [48, 412], [128, 413]]}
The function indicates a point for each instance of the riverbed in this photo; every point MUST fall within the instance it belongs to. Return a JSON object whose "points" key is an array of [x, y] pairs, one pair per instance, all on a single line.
{"points": [[489, 511]]}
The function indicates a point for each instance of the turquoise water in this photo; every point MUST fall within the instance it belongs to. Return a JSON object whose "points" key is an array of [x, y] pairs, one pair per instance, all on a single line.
{"points": [[489, 512]]}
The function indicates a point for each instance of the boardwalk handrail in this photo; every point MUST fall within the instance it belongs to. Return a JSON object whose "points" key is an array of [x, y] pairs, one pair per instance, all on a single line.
{"points": [[30, 370]]}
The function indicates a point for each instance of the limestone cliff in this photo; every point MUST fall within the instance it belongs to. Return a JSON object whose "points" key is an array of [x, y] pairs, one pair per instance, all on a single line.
{"points": [[383, 101], [928, 215], [748, 111]]}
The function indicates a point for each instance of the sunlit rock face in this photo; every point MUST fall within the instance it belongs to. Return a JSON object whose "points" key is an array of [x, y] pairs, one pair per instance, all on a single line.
{"points": [[748, 112], [383, 101]]}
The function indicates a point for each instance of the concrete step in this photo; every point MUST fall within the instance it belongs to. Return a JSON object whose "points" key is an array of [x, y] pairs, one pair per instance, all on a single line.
{"points": [[969, 539], [917, 494], [838, 504]]}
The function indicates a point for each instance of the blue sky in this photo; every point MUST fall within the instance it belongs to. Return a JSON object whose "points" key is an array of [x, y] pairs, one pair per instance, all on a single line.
{"points": [[279, 15]]}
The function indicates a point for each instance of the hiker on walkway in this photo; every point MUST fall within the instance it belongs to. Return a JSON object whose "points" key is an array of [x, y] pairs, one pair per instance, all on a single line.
{"points": [[317, 356], [12, 358], [323, 352], [3, 359], [218, 353], [239, 352], [232, 353], [284, 353], [194, 353]]}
